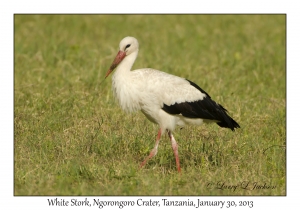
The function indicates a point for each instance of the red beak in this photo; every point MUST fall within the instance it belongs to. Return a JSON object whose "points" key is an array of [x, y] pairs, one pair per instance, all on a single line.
{"points": [[120, 56]]}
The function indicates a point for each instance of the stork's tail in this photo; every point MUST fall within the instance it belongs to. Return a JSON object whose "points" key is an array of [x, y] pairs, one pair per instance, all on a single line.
{"points": [[229, 123]]}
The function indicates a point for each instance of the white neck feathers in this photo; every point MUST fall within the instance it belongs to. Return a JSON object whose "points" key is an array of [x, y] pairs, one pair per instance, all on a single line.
{"points": [[122, 85]]}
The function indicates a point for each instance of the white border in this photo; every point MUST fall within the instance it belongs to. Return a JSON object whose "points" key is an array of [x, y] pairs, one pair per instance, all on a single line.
{"points": [[8, 201]]}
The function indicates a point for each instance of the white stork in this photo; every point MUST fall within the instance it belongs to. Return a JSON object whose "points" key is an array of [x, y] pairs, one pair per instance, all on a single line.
{"points": [[164, 99]]}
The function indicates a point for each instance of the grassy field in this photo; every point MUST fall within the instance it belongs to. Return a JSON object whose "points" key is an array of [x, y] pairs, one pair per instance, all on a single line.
{"points": [[72, 138]]}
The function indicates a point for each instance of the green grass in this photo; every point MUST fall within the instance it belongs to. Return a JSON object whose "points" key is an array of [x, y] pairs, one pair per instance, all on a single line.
{"points": [[72, 138]]}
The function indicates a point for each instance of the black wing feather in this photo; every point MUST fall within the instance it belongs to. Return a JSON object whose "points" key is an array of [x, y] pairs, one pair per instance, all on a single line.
{"points": [[204, 109]]}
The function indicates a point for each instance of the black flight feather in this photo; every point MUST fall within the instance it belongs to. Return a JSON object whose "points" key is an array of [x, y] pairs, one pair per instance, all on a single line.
{"points": [[204, 109]]}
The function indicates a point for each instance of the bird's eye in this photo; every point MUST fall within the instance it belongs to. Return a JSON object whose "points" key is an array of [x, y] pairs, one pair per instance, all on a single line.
{"points": [[127, 46]]}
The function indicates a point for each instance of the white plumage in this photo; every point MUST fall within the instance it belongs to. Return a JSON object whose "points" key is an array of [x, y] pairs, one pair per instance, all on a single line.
{"points": [[164, 99]]}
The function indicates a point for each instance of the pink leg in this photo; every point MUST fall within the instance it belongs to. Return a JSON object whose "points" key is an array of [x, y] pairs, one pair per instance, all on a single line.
{"points": [[154, 150], [175, 150]]}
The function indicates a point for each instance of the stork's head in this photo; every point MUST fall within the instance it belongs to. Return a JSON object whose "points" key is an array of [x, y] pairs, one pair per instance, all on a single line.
{"points": [[127, 46]]}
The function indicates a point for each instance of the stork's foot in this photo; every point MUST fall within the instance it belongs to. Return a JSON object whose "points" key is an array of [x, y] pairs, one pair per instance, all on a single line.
{"points": [[175, 150], [152, 154], [154, 150]]}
